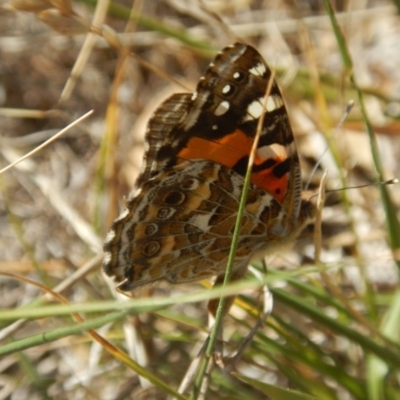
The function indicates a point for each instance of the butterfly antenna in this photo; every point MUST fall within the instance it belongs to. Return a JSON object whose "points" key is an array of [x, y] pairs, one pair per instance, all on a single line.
{"points": [[392, 181], [345, 114]]}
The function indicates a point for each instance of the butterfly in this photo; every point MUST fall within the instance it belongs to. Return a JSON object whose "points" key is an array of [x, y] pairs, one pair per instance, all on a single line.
{"points": [[179, 219]]}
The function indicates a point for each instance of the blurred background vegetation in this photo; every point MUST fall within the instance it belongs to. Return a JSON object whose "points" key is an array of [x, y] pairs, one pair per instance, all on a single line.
{"points": [[334, 331]]}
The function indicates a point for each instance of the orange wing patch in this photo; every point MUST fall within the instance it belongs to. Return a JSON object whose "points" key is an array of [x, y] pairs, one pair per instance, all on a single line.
{"points": [[231, 148], [268, 181], [227, 150]]}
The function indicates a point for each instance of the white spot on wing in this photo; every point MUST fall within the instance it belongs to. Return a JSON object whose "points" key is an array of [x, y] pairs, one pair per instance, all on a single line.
{"points": [[194, 96], [236, 75], [202, 221], [272, 151], [110, 236], [258, 70], [226, 89], [122, 215], [274, 102], [270, 106], [132, 195], [255, 109], [107, 257], [222, 108]]}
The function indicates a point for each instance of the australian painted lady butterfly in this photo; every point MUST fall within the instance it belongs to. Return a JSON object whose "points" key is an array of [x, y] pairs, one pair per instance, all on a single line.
{"points": [[179, 219]]}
